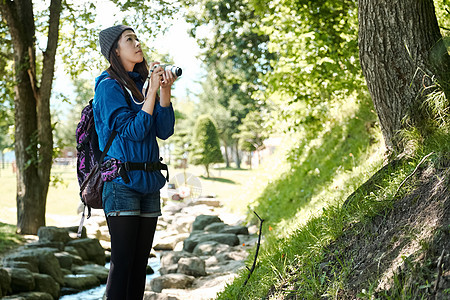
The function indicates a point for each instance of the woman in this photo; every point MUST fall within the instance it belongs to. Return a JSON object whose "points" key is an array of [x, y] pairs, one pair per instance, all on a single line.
{"points": [[131, 200]]}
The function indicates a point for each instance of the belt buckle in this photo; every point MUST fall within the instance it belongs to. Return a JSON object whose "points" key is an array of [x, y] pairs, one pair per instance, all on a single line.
{"points": [[127, 166], [145, 166]]}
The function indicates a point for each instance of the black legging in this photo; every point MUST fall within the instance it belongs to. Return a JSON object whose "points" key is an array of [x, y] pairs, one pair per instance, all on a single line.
{"points": [[131, 242]]}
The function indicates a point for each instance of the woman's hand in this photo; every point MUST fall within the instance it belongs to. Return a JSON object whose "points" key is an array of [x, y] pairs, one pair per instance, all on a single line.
{"points": [[167, 79], [155, 77]]}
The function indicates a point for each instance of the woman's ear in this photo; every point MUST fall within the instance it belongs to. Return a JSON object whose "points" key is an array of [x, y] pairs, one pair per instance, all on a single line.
{"points": [[117, 52]]}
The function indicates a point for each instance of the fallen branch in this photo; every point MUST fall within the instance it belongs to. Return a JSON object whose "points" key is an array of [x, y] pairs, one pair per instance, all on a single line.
{"points": [[257, 250], [413, 172], [439, 269]]}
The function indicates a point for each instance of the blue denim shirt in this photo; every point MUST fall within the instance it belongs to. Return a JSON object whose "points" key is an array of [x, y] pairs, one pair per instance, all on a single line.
{"points": [[136, 130]]}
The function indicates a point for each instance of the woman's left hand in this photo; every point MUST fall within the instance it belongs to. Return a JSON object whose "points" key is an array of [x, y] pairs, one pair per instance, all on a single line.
{"points": [[167, 79]]}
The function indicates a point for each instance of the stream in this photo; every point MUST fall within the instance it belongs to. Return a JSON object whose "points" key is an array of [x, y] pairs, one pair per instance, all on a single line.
{"points": [[98, 292]]}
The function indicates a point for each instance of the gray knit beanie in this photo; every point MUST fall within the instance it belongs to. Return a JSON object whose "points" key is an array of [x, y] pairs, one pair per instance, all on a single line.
{"points": [[108, 36]]}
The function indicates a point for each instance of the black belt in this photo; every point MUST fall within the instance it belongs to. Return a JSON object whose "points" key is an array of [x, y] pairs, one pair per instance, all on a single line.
{"points": [[144, 166]]}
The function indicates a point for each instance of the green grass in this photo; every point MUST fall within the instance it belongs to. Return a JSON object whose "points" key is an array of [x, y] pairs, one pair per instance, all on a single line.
{"points": [[8, 237]]}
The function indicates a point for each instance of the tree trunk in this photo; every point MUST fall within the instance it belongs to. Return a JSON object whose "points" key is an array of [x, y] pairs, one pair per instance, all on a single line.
{"points": [[227, 159], [400, 48], [33, 130], [238, 159]]}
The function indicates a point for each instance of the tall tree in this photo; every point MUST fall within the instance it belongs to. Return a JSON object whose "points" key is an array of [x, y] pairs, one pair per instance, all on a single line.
{"points": [[33, 129], [401, 50], [205, 144], [33, 78]]}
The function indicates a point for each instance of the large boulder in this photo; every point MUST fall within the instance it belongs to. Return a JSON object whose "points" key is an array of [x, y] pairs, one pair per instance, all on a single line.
{"points": [[49, 264], [223, 238], [169, 242], [5, 282], [90, 250], [210, 248], [30, 296], [193, 266], [22, 256], [100, 272], [22, 280], [46, 284], [53, 234], [149, 295], [215, 227], [171, 281], [204, 220], [81, 282], [21, 265], [235, 229]]}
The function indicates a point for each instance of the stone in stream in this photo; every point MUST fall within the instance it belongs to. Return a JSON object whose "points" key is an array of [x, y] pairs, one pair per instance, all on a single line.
{"points": [[204, 220], [22, 280], [223, 238], [46, 284], [30, 296], [193, 266], [171, 281]]}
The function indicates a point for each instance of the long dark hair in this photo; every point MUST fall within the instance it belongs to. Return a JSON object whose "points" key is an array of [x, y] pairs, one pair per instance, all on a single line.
{"points": [[117, 71]]}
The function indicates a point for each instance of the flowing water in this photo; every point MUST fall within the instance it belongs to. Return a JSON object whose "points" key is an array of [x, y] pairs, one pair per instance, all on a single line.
{"points": [[97, 292]]}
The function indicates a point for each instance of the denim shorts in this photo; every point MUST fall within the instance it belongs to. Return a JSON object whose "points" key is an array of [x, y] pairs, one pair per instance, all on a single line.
{"points": [[120, 200]]}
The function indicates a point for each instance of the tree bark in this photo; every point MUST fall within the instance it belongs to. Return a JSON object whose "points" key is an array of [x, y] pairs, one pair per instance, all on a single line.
{"points": [[33, 132], [400, 49]]}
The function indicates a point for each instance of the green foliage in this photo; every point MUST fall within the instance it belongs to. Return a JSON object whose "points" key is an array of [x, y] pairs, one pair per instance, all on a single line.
{"points": [[8, 237], [205, 144], [252, 132]]}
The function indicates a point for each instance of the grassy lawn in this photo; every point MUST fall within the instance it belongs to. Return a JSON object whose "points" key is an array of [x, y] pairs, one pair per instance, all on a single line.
{"points": [[230, 185]]}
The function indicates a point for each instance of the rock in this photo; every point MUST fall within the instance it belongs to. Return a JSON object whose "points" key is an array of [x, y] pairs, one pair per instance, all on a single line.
{"points": [[149, 270], [81, 282], [45, 244], [5, 282], [169, 242], [234, 255], [223, 238], [100, 272], [170, 269], [22, 280], [172, 258], [204, 220], [207, 201], [22, 256], [148, 295], [30, 296], [210, 248], [235, 229], [90, 250], [193, 266], [215, 227], [53, 234], [49, 264], [65, 259], [171, 281], [73, 232], [46, 284], [21, 264]]}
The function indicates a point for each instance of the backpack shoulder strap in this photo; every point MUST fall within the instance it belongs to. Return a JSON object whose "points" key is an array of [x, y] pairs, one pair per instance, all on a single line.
{"points": [[108, 145]]}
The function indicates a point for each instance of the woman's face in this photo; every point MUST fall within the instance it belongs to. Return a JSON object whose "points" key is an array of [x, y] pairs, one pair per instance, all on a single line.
{"points": [[129, 50]]}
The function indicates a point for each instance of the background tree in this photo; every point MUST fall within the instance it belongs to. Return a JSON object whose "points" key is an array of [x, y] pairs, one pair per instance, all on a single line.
{"points": [[33, 129], [399, 59], [252, 133], [205, 144]]}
